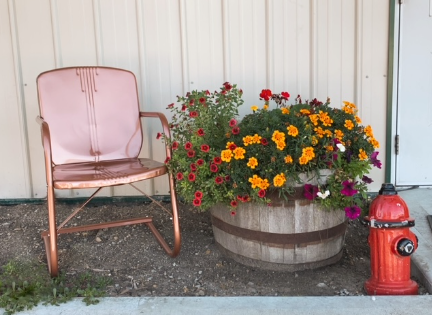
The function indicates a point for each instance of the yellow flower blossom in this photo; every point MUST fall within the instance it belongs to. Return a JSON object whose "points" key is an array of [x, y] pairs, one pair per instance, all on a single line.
{"points": [[247, 140], [314, 140], [229, 144], [293, 131], [279, 180], [264, 184], [254, 108], [349, 124], [285, 110], [329, 148], [308, 152], [253, 162], [369, 132], [303, 160], [314, 119], [239, 153], [339, 134], [362, 155], [255, 181], [288, 159], [319, 131], [281, 144], [305, 111], [374, 142], [278, 136], [358, 119], [265, 107], [325, 119], [226, 155], [256, 138]]}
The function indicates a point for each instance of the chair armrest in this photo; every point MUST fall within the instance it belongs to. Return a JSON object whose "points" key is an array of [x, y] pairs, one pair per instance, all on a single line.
{"points": [[165, 127], [46, 143]]}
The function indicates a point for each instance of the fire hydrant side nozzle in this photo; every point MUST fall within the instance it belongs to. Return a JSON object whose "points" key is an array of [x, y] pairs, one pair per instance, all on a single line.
{"points": [[391, 245]]}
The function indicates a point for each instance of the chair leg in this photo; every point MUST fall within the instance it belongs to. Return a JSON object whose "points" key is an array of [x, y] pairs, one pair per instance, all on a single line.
{"points": [[176, 222], [50, 240]]}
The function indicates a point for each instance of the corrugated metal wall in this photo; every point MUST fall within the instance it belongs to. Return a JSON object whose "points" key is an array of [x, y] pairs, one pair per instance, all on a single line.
{"points": [[316, 48]]}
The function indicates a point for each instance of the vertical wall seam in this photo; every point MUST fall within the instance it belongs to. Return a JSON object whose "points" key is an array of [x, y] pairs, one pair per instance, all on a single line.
{"points": [[24, 139], [313, 58], [358, 55], [269, 43], [225, 42], [184, 47], [98, 32], [58, 62]]}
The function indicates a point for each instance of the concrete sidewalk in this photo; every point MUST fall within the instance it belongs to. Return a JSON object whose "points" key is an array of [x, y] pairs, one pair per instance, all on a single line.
{"points": [[420, 205]]}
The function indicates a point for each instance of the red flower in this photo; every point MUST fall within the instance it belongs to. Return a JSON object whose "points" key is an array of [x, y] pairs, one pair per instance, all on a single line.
{"points": [[205, 148], [175, 145], [191, 153], [167, 159], [192, 102], [193, 114], [207, 92], [191, 177], [217, 160], [264, 141], [232, 146], [233, 213], [193, 167], [262, 193], [200, 162], [198, 195], [239, 197], [232, 122], [179, 176], [266, 94], [224, 92], [227, 178], [219, 180], [235, 130], [245, 198], [159, 135], [214, 168], [188, 145], [227, 86], [200, 132], [197, 202], [234, 203], [171, 105], [285, 95], [183, 108], [202, 100]]}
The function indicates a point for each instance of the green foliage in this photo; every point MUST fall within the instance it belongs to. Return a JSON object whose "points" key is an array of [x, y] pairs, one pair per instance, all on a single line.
{"points": [[24, 285]]}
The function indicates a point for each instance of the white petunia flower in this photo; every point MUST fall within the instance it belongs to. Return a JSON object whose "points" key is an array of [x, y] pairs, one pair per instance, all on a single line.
{"points": [[323, 195], [341, 147]]}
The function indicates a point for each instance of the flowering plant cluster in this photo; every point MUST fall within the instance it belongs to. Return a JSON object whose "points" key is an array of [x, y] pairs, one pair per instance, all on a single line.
{"points": [[219, 159]]}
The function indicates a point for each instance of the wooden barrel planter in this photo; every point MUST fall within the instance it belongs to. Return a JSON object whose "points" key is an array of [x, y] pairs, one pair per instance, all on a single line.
{"points": [[289, 235]]}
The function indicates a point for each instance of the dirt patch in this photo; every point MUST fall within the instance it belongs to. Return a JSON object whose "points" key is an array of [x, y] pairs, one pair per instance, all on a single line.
{"points": [[137, 265]]}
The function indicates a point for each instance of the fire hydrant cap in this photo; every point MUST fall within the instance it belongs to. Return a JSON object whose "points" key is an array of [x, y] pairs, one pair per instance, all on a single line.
{"points": [[387, 189]]}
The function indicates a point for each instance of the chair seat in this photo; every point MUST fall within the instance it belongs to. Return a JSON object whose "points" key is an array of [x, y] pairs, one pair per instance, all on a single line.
{"points": [[106, 173]]}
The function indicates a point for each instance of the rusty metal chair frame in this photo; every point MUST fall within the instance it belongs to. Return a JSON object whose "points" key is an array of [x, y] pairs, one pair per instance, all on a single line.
{"points": [[98, 164]]}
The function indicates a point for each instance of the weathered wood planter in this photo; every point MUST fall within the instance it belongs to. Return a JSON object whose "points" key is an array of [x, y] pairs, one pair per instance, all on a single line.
{"points": [[289, 235]]}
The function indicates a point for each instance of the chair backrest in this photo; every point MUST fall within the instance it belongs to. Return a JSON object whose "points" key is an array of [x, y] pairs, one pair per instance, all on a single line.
{"points": [[92, 113]]}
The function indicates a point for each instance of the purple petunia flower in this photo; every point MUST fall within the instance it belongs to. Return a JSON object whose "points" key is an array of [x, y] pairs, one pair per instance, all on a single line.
{"points": [[374, 160], [366, 179], [348, 189], [310, 191], [353, 212]]}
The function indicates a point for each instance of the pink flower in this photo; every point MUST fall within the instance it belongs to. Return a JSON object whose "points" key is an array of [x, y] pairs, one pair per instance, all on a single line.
{"points": [[310, 191], [352, 212], [235, 130], [349, 189], [232, 122]]}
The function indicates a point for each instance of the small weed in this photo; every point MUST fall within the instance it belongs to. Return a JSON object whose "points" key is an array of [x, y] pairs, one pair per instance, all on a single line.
{"points": [[24, 285]]}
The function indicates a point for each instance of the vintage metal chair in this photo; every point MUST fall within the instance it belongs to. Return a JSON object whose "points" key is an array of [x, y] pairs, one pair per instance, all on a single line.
{"points": [[92, 135]]}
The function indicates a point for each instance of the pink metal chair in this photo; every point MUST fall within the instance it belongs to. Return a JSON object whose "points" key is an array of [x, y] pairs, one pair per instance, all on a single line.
{"points": [[92, 136]]}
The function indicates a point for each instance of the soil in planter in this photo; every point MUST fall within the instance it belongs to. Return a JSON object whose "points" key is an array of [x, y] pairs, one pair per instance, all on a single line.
{"points": [[137, 265]]}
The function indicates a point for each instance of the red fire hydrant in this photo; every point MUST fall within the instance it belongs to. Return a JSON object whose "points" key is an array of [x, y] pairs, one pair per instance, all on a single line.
{"points": [[391, 245]]}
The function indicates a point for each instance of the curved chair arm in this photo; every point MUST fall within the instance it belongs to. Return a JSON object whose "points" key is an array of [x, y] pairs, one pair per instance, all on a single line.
{"points": [[165, 126], [46, 142]]}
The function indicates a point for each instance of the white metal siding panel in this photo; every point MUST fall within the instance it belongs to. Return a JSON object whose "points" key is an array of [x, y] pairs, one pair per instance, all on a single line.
{"points": [[334, 48], [14, 172]]}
